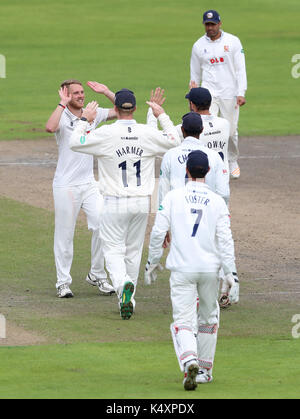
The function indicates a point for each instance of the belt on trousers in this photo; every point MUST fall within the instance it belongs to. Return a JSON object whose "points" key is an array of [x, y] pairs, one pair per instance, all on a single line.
{"points": [[125, 197]]}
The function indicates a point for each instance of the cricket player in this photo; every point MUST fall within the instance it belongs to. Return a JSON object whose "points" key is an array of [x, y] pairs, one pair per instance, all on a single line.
{"points": [[214, 135], [126, 152], [211, 139], [173, 167], [201, 243], [216, 130], [218, 64], [74, 187]]}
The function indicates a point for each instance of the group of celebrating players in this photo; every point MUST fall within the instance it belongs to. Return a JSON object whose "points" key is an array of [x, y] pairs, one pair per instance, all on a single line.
{"points": [[199, 157]]}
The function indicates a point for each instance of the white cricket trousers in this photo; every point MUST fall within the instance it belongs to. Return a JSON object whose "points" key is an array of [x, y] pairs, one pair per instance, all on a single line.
{"points": [[122, 230], [67, 203], [185, 287], [228, 109]]}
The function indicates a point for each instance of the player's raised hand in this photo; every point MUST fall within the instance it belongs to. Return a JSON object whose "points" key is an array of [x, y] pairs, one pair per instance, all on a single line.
{"points": [[65, 96], [157, 96], [193, 84], [103, 90], [157, 109], [90, 111], [98, 87]]}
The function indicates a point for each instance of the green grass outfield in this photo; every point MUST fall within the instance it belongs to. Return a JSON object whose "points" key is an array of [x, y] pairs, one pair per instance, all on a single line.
{"points": [[244, 368], [90, 353], [141, 45]]}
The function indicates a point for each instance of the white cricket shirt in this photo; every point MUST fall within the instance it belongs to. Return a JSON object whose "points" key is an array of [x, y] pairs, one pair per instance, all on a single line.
{"points": [[215, 136], [74, 168], [219, 66], [126, 153], [173, 169], [201, 238]]}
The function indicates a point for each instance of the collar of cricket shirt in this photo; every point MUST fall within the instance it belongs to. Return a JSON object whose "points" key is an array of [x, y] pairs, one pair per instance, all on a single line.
{"points": [[71, 115], [192, 140], [125, 121], [192, 184]]}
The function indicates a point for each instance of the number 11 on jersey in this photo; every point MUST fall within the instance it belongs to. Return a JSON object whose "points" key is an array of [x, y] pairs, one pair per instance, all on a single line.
{"points": [[137, 165]]}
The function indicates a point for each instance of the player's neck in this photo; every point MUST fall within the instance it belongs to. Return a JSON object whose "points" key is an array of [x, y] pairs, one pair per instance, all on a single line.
{"points": [[206, 112], [126, 117], [217, 36], [75, 111], [200, 180]]}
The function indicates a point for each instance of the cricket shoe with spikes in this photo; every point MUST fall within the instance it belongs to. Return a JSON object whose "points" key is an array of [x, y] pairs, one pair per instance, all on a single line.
{"points": [[191, 369], [126, 305]]}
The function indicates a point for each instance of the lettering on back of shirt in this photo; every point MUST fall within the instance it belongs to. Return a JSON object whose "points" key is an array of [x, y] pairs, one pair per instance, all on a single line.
{"points": [[216, 144], [123, 151], [197, 199]]}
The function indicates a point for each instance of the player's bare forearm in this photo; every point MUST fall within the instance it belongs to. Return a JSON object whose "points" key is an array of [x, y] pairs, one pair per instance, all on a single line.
{"points": [[53, 122]]}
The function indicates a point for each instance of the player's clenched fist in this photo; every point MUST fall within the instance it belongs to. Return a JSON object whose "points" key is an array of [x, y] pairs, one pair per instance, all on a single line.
{"points": [[90, 111]]}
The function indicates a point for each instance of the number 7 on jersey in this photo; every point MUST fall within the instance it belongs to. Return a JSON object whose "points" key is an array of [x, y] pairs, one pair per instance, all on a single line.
{"points": [[198, 219]]}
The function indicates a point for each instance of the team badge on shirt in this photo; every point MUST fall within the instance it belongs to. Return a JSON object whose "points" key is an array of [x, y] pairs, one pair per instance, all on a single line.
{"points": [[226, 48]]}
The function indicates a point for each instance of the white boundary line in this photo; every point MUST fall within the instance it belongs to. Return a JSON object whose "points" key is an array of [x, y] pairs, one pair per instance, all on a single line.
{"points": [[40, 163], [294, 156]]}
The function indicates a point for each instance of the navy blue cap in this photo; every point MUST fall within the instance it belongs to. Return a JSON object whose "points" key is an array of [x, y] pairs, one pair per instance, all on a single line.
{"points": [[197, 159], [199, 96], [192, 122], [125, 99], [211, 16]]}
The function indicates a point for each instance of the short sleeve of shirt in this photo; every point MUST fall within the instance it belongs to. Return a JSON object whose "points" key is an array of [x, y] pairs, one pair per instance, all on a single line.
{"points": [[102, 115]]}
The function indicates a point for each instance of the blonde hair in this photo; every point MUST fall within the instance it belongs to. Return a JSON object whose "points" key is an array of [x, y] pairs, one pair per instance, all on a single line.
{"points": [[68, 82]]}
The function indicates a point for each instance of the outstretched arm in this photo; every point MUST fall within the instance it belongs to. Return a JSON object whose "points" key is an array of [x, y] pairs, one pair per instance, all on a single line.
{"points": [[157, 96], [104, 90]]}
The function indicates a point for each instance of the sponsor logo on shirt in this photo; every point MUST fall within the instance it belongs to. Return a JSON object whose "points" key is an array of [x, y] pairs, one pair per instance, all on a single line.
{"points": [[217, 60], [82, 139]]}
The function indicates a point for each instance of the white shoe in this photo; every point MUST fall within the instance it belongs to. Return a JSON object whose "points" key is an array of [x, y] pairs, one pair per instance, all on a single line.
{"points": [[235, 171], [64, 291], [191, 369], [102, 283], [203, 377]]}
